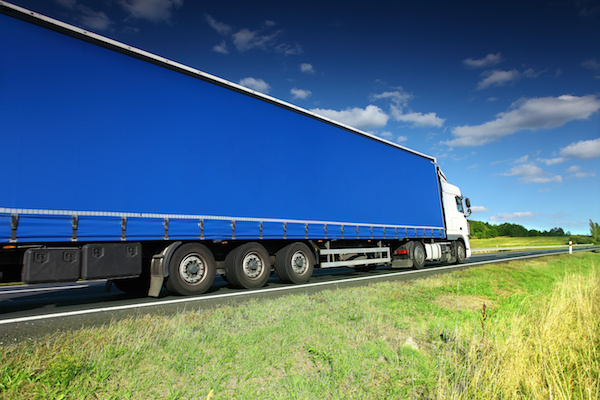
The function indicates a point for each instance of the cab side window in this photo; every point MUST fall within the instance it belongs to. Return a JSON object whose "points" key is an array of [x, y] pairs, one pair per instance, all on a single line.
{"points": [[459, 205]]}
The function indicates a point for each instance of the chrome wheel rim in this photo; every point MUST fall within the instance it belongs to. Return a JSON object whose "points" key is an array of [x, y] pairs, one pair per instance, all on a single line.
{"points": [[253, 266], [299, 262], [419, 255], [192, 269], [461, 253]]}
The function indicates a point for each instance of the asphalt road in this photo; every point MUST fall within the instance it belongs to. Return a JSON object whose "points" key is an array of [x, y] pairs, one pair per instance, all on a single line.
{"points": [[28, 312]]}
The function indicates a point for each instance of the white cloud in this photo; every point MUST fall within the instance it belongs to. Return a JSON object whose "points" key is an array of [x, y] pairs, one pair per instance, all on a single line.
{"points": [[515, 216], [289, 49], [576, 172], [399, 99], [591, 64], [523, 159], [498, 78], [256, 84], [221, 27], [529, 114], [371, 117], [584, 149], [478, 209], [151, 10], [418, 119], [531, 173], [96, 20], [221, 48], [487, 61], [387, 135], [307, 68], [87, 17], [531, 73], [551, 161], [300, 93], [581, 175], [245, 40]]}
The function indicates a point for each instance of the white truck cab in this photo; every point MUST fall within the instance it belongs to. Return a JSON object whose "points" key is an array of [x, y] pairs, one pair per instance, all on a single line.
{"points": [[455, 215]]}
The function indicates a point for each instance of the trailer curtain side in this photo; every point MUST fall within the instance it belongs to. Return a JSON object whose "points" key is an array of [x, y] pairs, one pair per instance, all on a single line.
{"points": [[92, 133]]}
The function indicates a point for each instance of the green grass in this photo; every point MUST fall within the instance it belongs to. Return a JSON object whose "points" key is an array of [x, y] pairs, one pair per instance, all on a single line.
{"points": [[540, 323], [505, 241]]}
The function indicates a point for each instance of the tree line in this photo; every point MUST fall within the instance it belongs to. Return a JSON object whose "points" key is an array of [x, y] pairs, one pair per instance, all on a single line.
{"points": [[484, 230]]}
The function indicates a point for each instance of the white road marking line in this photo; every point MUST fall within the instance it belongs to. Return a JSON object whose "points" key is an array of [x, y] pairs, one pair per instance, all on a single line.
{"points": [[249, 292]]}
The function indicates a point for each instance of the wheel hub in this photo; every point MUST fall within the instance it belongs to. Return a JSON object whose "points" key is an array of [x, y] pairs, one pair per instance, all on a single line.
{"points": [[253, 266], [192, 268], [299, 262]]}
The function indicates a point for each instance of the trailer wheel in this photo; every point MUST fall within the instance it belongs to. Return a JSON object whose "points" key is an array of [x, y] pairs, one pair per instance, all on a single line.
{"points": [[192, 270], [248, 266], [461, 252], [294, 263], [418, 255]]}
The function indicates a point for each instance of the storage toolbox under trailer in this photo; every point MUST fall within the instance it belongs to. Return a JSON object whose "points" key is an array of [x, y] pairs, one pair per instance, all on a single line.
{"points": [[122, 165]]}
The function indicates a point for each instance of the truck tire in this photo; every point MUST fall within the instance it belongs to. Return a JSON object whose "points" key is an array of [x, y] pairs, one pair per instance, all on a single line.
{"points": [[418, 255], [294, 263], [248, 266], [192, 270], [461, 252]]}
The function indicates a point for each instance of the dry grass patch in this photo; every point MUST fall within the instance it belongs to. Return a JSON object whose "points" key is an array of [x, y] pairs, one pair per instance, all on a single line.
{"points": [[463, 302]]}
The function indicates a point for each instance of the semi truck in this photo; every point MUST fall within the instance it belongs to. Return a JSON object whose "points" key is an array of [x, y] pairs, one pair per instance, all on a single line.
{"points": [[122, 165]]}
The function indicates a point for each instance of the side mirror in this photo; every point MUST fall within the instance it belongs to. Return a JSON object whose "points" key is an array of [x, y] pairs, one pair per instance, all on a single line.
{"points": [[468, 202]]}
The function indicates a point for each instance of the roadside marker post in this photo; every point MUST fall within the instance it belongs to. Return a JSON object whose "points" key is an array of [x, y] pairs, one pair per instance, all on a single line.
{"points": [[570, 247]]}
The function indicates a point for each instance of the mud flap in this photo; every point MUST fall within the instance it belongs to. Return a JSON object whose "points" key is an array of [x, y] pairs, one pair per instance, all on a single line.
{"points": [[156, 275], [159, 268]]}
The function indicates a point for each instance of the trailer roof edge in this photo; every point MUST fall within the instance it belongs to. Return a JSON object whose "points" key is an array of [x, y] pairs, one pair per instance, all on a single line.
{"points": [[196, 72]]}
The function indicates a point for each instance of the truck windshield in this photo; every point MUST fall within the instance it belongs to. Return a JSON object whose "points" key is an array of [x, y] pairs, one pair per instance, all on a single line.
{"points": [[459, 205]]}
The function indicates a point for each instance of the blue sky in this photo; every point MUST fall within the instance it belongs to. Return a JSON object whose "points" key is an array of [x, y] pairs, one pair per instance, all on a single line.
{"points": [[506, 94]]}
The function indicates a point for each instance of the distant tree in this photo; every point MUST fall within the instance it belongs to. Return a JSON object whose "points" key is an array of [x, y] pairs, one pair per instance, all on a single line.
{"points": [[484, 230], [595, 231], [580, 239], [556, 232], [513, 230], [477, 228], [534, 232], [492, 230]]}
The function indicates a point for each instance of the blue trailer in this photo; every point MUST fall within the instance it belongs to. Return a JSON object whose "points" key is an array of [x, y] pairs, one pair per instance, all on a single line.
{"points": [[120, 164]]}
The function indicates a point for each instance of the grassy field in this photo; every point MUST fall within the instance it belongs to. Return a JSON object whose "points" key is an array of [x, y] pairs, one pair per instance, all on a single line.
{"points": [[514, 331], [505, 241]]}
